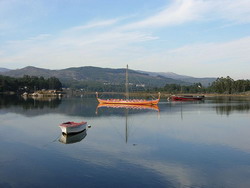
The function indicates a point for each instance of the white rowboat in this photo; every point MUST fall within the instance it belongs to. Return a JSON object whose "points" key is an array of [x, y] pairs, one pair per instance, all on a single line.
{"points": [[73, 127]]}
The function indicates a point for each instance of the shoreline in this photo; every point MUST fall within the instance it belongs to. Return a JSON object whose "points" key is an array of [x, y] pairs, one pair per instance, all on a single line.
{"points": [[132, 94], [164, 94]]}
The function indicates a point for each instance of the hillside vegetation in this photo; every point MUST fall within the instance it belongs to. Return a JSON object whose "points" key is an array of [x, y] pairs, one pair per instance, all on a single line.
{"points": [[82, 77], [28, 84]]}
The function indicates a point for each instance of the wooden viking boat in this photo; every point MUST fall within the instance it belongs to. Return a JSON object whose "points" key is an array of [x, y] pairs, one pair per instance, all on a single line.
{"points": [[128, 101]]}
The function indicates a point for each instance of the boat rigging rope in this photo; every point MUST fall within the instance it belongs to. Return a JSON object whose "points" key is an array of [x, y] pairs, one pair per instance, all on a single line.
{"points": [[144, 88], [56, 139]]}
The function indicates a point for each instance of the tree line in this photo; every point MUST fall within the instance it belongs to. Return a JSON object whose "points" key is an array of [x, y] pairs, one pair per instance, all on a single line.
{"points": [[32, 83], [229, 86], [221, 85], [28, 84]]}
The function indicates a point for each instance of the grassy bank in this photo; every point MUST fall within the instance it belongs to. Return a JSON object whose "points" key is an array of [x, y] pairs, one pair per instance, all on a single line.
{"points": [[166, 94]]}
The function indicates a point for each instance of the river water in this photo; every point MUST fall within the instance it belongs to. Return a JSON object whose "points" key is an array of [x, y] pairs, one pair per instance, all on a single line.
{"points": [[179, 144]]}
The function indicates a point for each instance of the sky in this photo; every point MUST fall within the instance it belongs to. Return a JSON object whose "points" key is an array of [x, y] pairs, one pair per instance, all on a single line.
{"points": [[199, 38]]}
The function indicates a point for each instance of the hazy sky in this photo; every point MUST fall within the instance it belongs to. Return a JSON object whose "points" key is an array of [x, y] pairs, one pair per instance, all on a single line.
{"points": [[200, 38]]}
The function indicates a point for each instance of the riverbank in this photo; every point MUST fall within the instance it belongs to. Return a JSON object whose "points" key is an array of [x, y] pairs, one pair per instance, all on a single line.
{"points": [[163, 94], [44, 93]]}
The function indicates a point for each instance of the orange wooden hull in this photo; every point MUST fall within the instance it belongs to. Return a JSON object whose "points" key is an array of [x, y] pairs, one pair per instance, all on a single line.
{"points": [[129, 101]]}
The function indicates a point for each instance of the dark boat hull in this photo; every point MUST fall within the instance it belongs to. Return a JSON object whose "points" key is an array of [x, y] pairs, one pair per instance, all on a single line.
{"points": [[187, 98]]}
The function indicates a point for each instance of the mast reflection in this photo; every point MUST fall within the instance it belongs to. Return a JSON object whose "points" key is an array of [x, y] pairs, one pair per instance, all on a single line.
{"points": [[126, 109]]}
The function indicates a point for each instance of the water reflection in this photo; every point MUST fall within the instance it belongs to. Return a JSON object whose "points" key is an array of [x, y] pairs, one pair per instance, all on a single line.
{"points": [[124, 111], [28, 106], [7, 101], [228, 100], [127, 149], [88, 106], [222, 105], [124, 106], [228, 105], [228, 109], [136, 108], [74, 106]]}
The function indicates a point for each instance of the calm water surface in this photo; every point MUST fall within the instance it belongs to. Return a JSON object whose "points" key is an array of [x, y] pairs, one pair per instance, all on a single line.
{"points": [[184, 144]]}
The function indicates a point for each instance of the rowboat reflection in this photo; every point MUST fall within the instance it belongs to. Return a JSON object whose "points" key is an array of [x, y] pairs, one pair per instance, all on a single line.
{"points": [[73, 138]]}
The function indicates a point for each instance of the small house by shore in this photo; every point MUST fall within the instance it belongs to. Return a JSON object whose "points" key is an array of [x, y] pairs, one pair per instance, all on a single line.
{"points": [[43, 93]]}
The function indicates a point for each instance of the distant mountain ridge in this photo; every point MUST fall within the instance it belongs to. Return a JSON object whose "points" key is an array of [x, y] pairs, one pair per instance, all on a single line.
{"points": [[94, 74], [204, 81], [107, 75], [4, 70]]}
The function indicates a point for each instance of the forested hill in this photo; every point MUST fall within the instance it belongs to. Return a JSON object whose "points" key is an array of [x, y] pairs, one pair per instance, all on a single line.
{"points": [[74, 76], [205, 81], [4, 70]]}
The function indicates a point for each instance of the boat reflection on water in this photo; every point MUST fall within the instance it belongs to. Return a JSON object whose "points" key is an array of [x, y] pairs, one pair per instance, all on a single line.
{"points": [[124, 106], [73, 138], [126, 110]]}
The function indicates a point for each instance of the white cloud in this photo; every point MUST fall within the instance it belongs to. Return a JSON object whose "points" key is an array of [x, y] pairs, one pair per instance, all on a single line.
{"points": [[235, 11], [179, 12], [116, 48], [73, 47], [91, 25], [112, 43], [206, 59], [182, 11]]}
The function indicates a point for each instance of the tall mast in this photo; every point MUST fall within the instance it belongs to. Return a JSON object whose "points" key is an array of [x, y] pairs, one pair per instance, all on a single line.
{"points": [[126, 84], [126, 110]]}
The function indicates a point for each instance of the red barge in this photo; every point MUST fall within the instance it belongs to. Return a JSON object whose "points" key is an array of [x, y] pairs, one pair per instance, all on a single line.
{"points": [[187, 98]]}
